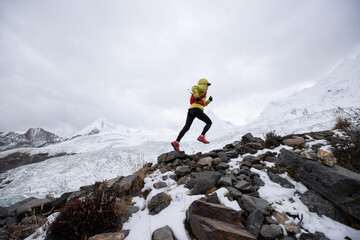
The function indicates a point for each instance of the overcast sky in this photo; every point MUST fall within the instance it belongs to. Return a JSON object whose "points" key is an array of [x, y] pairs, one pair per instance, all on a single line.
{"points": [[66, 63]]}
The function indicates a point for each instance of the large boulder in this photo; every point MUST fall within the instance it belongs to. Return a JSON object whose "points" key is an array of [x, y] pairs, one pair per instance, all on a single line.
{"points": [[254, 222], [294, 142], [209, 221], [282, 181], [271, 232], [203, 181], [164, 233], [338, 185], [130, 185], [252, 203], [316, 203], [29, 206], [170, 156], [247, 138], [159, 202]]}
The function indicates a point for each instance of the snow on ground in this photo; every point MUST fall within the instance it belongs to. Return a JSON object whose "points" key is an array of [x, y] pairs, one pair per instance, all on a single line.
{"points": [[99, 157], [142, 224]]}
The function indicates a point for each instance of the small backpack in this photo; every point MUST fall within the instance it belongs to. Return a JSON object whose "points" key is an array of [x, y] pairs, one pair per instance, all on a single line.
{"points": [[193, 99]]}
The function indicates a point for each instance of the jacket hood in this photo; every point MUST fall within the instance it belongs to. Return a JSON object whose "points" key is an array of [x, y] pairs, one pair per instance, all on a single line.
{"points": [[204, 82]]}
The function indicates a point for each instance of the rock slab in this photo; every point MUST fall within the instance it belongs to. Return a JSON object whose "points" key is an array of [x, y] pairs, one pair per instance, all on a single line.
{"points": [[338, 185], [209, 221]]}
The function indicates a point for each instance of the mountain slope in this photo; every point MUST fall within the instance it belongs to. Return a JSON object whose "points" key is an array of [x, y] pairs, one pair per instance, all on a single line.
{"points": [[313, 108]]}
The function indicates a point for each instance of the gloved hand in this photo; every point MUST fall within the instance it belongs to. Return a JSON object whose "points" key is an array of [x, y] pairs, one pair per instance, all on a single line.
{"points": [[198, 99], [210, 98]]}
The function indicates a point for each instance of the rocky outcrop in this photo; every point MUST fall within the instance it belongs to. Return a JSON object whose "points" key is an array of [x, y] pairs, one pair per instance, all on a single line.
{"points": [[338, 185], [19, 159], [208, 221]]}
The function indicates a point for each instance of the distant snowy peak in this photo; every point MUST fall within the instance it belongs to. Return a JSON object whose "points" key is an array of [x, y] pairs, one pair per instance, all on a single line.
{"points": [[102, 125], [341, 88], [30, 136]]}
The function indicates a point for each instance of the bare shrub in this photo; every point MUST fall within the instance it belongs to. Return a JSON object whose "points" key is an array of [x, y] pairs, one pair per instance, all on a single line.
{"points": [[341, 123], [347, 150], [347, 117], [81, 219], [272, 139]]}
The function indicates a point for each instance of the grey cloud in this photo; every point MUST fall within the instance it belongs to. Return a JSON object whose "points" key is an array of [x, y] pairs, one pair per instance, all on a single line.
{"points": [[66, 63]]}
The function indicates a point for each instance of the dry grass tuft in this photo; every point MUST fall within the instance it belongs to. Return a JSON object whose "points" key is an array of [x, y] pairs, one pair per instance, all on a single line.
{"points": [[347, 150], [341, 123], [272, 140], [81, 219]]}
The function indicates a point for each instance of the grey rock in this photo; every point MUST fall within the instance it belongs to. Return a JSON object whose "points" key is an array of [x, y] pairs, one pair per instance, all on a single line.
{"points": [[177, 162], [289, 238], [311, 236], [160, 185], [215, 221], [234, 192], [258, 166], [225, 181], [158, 202], [245, 168], [252, 159], [182, 171], [271, 231], [338, 185], [316, 203], [222, 156], [74, 195], [223, 166], [164, 233], [190, 183], [36, 205], [254, 222], [241, 149], [126, 232], [282, 181], [133, 209], [252, 203], [170, 156], [247, 138], [4, 212], [202, 185], [246, 163], [245, 171], [213, 198], [257, 181], [232, 154], [253, 174], [10, 221], [61, 201], [243, 177], [243, 186]]}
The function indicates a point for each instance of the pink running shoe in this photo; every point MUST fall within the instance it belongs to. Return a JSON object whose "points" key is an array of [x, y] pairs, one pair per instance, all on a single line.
{"points": [[203, 140], [176, 146]]}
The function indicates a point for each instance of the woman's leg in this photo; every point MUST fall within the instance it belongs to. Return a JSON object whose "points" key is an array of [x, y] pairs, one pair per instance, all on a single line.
{"points": [[203, 117], [189, 120]]}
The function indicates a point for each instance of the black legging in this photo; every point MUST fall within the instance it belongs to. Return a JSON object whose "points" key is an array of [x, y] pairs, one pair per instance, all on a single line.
{"points": [[192, 114]]}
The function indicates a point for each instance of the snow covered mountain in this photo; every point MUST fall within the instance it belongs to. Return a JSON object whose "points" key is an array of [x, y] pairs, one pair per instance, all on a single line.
{"points": [[313, 108], [102, 125], [32, 137]]}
